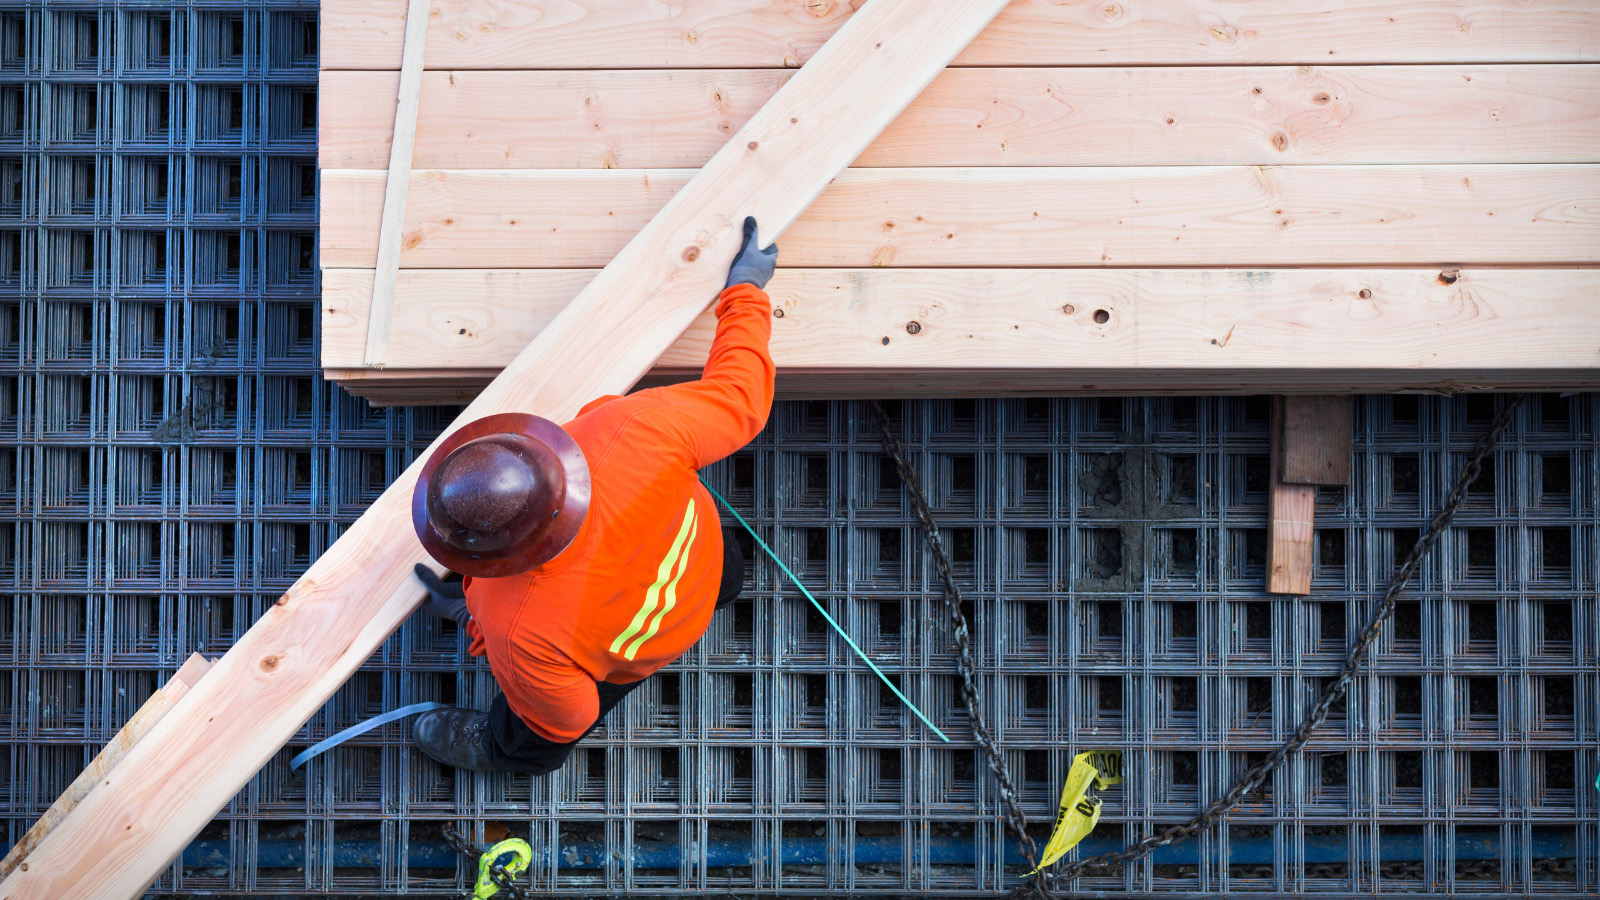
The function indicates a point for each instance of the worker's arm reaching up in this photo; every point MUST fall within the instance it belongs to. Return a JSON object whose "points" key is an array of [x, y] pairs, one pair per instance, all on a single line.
{"points": [[729, 405], [572, 631]]}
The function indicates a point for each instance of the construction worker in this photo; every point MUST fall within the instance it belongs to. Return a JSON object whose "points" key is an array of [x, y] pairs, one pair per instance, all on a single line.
{"points": [[592, 553]]}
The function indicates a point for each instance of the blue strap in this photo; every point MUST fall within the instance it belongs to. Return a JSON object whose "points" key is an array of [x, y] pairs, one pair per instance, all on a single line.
{"points": [[859, 652], [332, 741]]}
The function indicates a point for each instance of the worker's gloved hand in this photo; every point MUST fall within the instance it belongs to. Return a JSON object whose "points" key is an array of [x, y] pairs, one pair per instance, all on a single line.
{"points": [[753, 265], [446, 600]]}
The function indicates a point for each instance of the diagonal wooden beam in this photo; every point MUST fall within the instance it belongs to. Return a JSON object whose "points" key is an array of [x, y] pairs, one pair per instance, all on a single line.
{"points": [[286, 666], [139, 724]]}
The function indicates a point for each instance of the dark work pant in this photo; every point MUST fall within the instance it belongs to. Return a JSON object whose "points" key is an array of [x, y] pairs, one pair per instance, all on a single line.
{"points": [[519, 749]]}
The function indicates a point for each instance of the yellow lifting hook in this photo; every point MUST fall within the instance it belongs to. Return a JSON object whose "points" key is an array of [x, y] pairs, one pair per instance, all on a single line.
{"points": [[514, 855]]}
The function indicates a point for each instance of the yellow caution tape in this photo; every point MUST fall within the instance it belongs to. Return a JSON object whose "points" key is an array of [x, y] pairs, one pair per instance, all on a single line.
{"points": [[1079, 813]]}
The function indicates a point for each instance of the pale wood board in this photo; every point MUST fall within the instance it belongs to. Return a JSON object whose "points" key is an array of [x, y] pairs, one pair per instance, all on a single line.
{"points": [[140, 723], [407, 98], [1291, 513], [1131, 216], [1317, 432], [307, 644], [1155, 116], [1232, 320], [607, 34]]}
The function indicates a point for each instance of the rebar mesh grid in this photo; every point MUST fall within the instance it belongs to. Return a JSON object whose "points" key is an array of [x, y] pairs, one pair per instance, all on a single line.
{"points": [[170, 461]]}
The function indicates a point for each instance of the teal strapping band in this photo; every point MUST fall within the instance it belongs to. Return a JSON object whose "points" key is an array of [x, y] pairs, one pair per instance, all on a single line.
{"points": [[335, 740], [859, 652]]}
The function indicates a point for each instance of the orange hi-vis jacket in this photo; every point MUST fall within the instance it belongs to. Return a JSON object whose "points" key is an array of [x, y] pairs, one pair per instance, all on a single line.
{"points": [[636, 588]]}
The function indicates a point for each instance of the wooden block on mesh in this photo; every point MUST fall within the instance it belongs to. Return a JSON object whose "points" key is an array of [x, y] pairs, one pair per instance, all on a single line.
{"points": [[1290, 520], [1314, 443]]}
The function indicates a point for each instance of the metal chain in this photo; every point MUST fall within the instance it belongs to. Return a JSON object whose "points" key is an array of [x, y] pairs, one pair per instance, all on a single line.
{"points": [[1015, 819], [1253, 777], [473, 852]]}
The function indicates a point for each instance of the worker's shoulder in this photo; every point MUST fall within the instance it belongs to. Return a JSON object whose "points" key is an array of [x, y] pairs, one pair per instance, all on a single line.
{"points": [[608, 416], [621, 422], [614, 408]]}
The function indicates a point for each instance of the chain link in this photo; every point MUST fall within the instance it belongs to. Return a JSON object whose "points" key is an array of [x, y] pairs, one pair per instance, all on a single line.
{"points": [[473, 852], [1253, 777], [1015, 819]]}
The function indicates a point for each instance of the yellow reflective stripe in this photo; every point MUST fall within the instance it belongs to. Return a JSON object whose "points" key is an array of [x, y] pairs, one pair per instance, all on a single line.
{"points": [[671, 595], [663, 572]]}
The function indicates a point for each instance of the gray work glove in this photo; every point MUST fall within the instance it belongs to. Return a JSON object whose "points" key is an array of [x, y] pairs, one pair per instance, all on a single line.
{"points": [[446, 600], [753, 265]]}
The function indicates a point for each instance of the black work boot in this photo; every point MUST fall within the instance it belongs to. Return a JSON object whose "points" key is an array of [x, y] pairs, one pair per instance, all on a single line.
{"points": [[456, 737]]}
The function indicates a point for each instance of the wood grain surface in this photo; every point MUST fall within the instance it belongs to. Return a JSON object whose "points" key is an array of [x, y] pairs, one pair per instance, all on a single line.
{"points": [[132, 731], [1128, 216], [1155, 116], [615, 34], [408, 99], [949, 319], [297, 654], [1291, 512], [1318, 430]]}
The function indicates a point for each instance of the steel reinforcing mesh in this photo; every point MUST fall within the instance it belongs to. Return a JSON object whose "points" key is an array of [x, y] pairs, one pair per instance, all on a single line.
{"points": [[170, 461]]}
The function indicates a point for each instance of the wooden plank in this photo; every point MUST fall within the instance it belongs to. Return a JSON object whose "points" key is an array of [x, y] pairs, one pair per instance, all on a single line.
{"points": [[1232, 320], [1316, 443], [1156, 116], [621, 34], [1291, 510], [188, 675], [455, 387], [112, 753], [1170, 216], [335, 616], [398, 179]]}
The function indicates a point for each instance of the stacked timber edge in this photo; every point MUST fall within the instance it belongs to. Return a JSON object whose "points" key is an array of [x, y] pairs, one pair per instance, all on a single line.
{"points": [[1263, 196]]}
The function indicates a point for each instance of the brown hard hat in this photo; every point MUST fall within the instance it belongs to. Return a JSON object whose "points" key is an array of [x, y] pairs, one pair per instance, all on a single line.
{"points": [[501, 495]]}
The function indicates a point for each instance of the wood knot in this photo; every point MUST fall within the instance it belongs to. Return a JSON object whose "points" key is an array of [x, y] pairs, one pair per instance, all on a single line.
{"points": [[1102, 316], [1280, 141], [690, 254], [752, 145], [1364, 293], [1321, 98], [269, 663], [912, 328], [777, 314], [1069, 309], [1449, 276], [886, 342]]}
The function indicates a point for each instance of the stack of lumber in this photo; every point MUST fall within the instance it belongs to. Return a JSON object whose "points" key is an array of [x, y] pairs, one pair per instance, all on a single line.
{"points": [[1188, 195]]}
